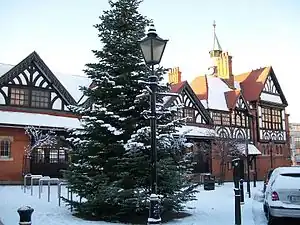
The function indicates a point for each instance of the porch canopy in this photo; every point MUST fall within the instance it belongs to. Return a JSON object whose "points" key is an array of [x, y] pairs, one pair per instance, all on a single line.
{"points": [[252, 150]]}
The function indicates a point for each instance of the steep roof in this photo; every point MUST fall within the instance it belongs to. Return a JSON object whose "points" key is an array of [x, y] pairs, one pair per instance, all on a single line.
{"points": [[71, 83], [253, 82], [184, 85], [211, 91], [232, 97]]}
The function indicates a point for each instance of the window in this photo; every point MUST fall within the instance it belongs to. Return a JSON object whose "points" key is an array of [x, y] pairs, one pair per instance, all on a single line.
{"points": [[265, 150], [40, 99], [226, 119], [280, 150], [271, 119], [50, 155], [179, 114], [216, 118], [238, 120], [5, 150], [19, 96], [277, 150], [27, 97], [189, 114], [297, 142]]}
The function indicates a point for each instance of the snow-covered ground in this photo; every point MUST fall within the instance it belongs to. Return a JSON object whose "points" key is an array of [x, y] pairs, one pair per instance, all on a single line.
{"points": [[212, 208]]}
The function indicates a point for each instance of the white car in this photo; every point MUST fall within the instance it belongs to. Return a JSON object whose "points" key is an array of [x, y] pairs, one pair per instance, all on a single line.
{"points": [[282, 196]]}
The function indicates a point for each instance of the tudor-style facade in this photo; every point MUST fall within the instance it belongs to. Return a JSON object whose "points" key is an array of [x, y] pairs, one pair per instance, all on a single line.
{"points": [[250, 106], [32, 96], [234, 123], [198, 127]]}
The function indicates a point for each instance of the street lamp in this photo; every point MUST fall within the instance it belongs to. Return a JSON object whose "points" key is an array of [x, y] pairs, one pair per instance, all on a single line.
{"points": [[153, 47]]}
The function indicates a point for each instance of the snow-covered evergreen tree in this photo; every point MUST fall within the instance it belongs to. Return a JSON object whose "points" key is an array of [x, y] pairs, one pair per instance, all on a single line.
{"points": [[94, 173], [112, 180], [174, 165]]}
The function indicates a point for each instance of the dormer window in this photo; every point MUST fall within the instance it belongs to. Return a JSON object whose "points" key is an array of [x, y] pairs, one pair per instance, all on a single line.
{"points": [[19, 96], [189, 114], [36, 98], [40, 99]]}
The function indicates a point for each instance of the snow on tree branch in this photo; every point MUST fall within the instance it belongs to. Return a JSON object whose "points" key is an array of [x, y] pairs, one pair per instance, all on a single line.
{"points": [[39, 138]]}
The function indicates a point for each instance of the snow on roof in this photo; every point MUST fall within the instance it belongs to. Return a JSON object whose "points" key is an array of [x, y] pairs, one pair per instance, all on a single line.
{"points": [[216, 90], [195, 131], [71, 82], [5, 68], [35, 119], [252, 150], [237, 85]]}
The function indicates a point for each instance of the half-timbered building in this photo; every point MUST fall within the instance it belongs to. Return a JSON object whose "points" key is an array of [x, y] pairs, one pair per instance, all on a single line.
{"points": [[31, 95], [198, 125], [247, 110]]}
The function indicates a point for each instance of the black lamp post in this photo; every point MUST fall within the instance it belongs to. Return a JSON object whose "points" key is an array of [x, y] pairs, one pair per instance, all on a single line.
{"points": [[236, 164], [153, 47]]}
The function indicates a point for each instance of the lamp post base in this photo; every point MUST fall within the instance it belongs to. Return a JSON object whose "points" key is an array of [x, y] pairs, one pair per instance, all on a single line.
{"points": [[154, 213]]}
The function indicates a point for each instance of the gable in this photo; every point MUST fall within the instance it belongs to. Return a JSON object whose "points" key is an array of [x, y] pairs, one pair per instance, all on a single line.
{"points": [[33, 74], [272, 91], [241, 103], [188, 100]]}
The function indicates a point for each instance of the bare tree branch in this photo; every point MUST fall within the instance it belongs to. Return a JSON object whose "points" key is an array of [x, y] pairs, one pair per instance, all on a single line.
{"points": [[39, 138]]}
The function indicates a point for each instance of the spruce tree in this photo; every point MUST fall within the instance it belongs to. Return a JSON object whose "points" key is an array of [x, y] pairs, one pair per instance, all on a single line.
{"points": [[93, 173], [174, 164], [110, 160]]}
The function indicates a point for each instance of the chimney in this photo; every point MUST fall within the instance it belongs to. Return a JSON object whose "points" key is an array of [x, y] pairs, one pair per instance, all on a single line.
{"points": [[224, 68], [174, 75]]}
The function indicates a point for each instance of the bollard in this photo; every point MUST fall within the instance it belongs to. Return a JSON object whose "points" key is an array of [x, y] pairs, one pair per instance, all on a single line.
{"points": [[25, 213], [254, 179], [242, 191], [237, 211]]}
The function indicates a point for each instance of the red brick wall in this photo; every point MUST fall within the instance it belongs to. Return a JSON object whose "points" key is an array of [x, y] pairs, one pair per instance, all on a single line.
{"points": [[262, 162], [11, 170]]}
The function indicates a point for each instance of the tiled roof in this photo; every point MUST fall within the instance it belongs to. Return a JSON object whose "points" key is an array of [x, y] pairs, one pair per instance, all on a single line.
{"points": [[231, 98], [176, 87], [214, 93], [211, 91], [252, 83]]}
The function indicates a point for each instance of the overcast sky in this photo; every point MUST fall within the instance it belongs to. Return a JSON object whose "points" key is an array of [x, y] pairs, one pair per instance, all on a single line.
{"points": [[256, 33]]}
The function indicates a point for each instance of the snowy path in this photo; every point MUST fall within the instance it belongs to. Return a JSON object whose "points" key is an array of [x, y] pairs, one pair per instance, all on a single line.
{"points": [[257, 208], [212, 208]]}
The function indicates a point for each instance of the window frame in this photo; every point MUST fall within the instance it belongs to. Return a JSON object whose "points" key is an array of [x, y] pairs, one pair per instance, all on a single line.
{"points": [[30, 91], [189, 118], [19, 89], [271, 118], [9, 140]]}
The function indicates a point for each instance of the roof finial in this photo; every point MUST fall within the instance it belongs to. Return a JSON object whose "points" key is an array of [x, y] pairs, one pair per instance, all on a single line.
{"points": [[216, 44]]}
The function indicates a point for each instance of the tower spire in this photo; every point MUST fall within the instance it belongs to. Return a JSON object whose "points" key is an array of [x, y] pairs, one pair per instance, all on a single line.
{"points": [[216, 50]]}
